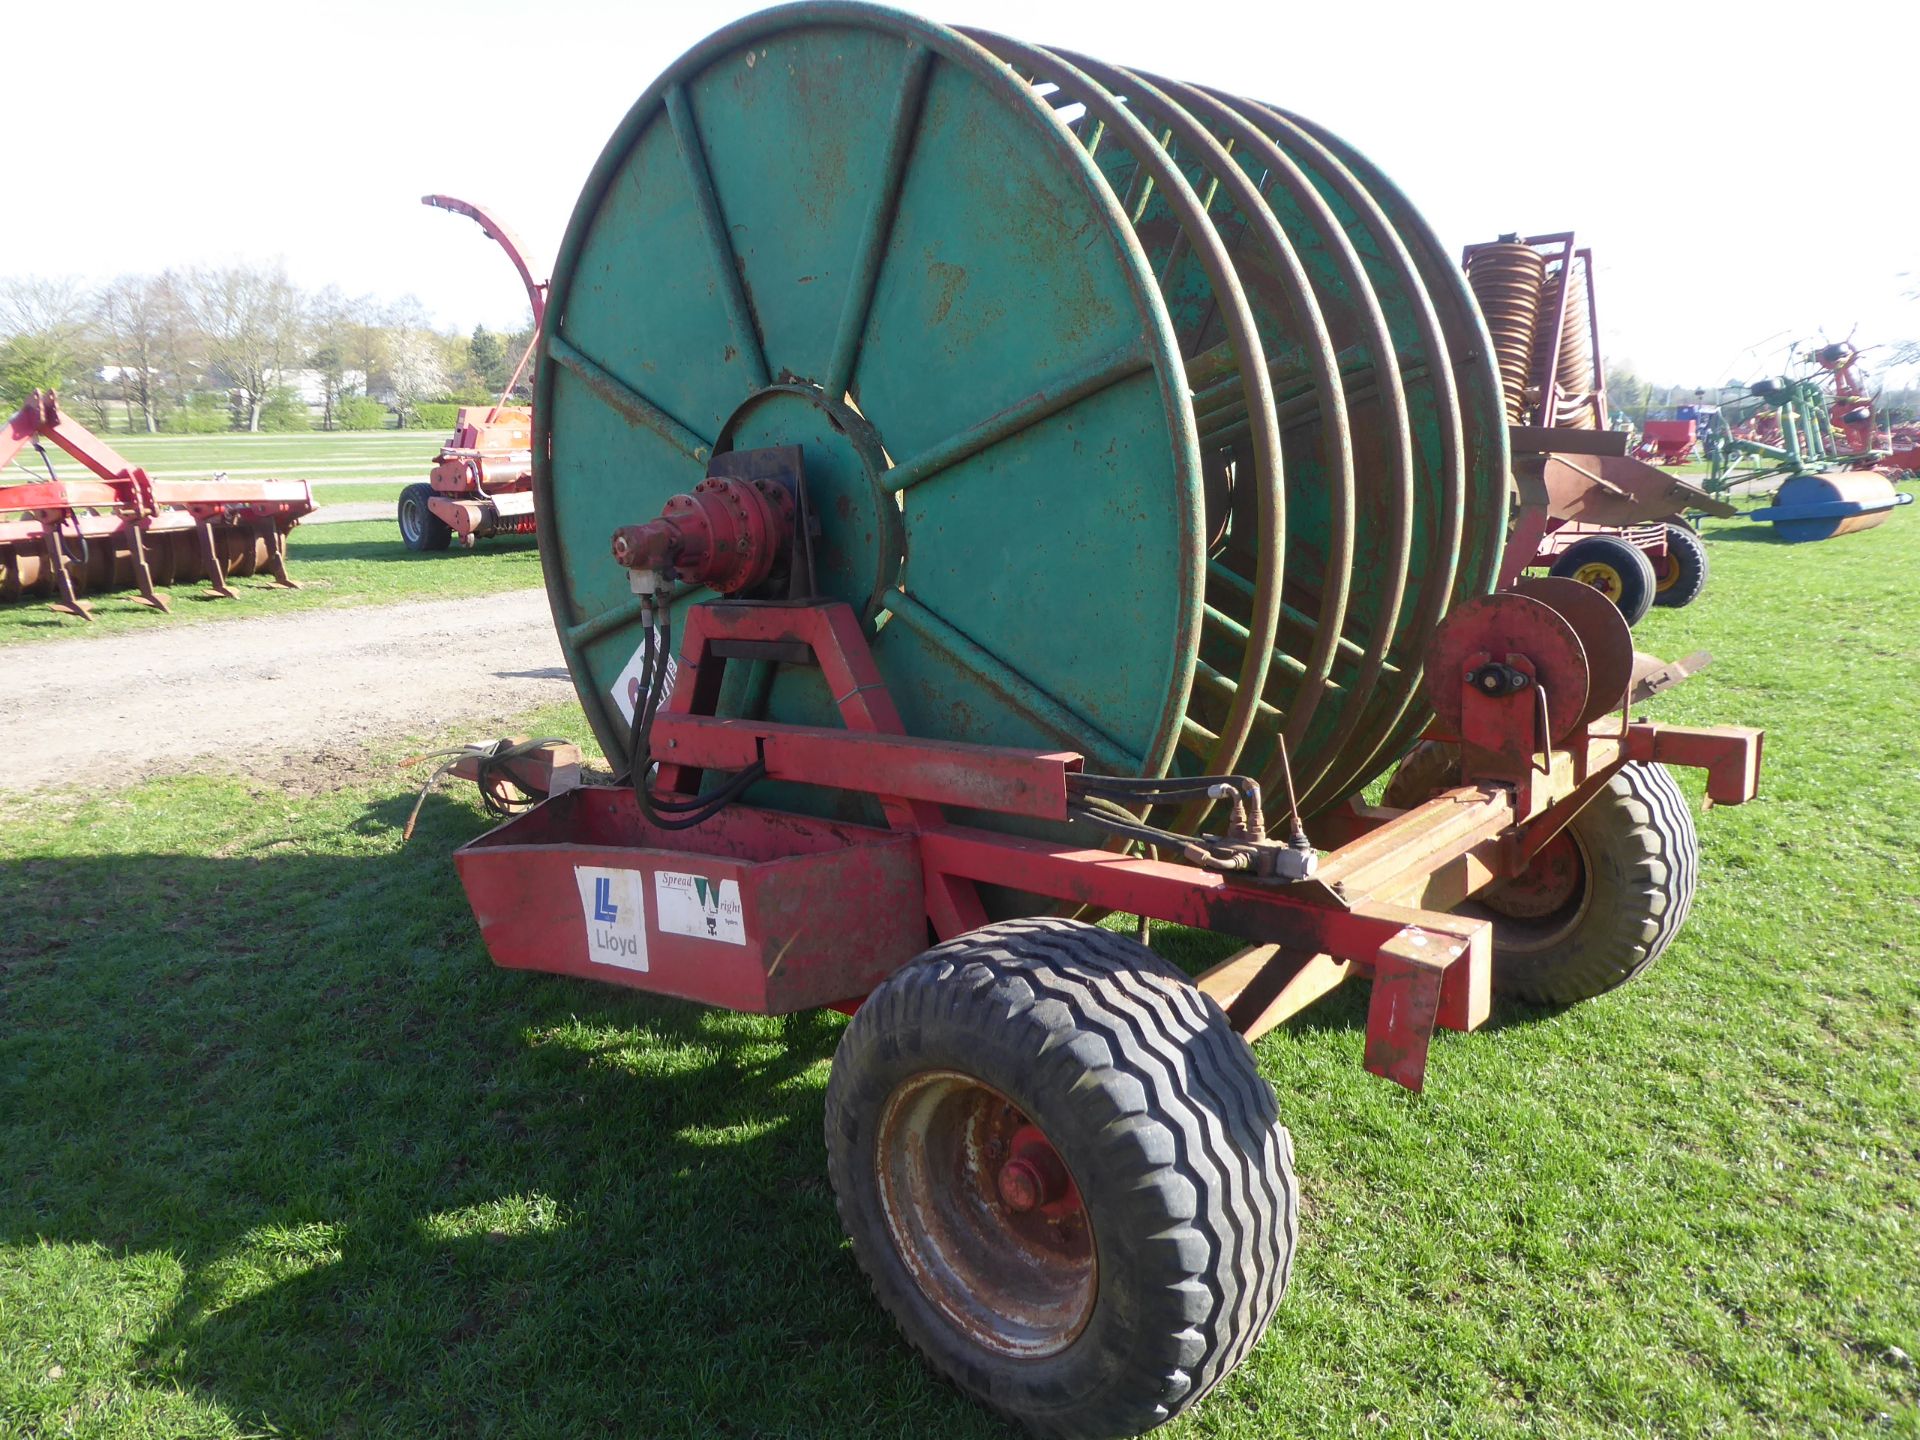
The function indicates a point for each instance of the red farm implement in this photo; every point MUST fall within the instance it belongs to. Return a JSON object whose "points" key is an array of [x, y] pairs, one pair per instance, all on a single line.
{"points": [[1593, 512], [481, 483], [939, 414], [1852, 415], [121, 530], [1668, 442], [1903, 454]]}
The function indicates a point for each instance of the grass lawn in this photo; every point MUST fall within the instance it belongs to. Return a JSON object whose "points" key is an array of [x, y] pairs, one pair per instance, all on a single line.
{"points": [[280, 1153], [359, 493], [360, 563]]}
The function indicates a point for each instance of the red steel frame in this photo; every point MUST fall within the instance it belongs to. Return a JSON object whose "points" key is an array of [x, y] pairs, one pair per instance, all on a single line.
{"points": [[1376, 909], [483, 476], [125, 506]]}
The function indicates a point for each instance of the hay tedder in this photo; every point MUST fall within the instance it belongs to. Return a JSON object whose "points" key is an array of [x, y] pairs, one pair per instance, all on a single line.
{"points": [[1067, 488], [1593, 513], [1808, 450], [65, 539], [481, 483]]}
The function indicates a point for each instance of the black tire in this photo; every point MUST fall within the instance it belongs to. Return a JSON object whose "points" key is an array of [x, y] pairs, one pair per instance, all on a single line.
{"points": [[1615, 567], [1637, 859], [1683, 575], [1426, 770], [1169, 1137], [420, 528]]}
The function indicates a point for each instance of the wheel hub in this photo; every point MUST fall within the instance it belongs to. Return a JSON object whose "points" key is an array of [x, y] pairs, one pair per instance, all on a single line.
{"points": [[1603, 578], [861, 542], [1034, 1177], [1550, 884], [985, 1215]]}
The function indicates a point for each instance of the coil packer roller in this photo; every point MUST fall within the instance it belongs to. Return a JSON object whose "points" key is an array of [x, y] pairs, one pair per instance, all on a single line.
{"points": [[1590, 511], [1047, 473]]}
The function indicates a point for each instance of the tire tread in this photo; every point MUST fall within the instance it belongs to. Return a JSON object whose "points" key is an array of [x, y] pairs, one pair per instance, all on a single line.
{"points": [[1174, 1079]]}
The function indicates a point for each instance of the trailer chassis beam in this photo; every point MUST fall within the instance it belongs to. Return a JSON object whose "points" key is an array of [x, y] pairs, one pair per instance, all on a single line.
{"points": [[1376, 909]]}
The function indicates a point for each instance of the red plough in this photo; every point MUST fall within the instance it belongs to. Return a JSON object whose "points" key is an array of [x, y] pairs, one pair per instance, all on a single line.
{"points": [[123, 530]]}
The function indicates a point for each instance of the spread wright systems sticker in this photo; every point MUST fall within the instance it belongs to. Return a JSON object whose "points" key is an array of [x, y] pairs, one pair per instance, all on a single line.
{"points": [[612, 902], [694, 905]]}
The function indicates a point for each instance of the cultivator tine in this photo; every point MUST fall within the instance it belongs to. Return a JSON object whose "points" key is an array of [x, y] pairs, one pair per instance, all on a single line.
{"points": [[143, 573], [277, 558], [210, 559], [66, 597]]}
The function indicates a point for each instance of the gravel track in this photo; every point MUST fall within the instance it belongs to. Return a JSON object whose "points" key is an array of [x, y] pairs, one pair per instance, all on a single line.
{"points": [[280, 694]]}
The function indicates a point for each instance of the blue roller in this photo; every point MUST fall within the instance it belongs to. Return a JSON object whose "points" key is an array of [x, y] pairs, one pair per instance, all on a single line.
{"points": [[1835, 502]]}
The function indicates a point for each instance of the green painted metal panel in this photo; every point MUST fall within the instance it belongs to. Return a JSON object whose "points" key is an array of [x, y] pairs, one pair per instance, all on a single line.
{"points": [[999, 283], [840, 227], [795, 131]]}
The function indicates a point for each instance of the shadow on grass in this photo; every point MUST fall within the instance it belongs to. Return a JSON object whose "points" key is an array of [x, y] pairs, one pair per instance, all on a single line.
{"points": [[408, 1193], [1761, 532], [411, 1194]]}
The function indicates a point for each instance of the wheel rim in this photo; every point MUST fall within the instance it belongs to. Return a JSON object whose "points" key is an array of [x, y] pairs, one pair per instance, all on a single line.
{"points": [[1601, 577], [410, 518], [1666, 573], [1547, 901], [985, 1215]]}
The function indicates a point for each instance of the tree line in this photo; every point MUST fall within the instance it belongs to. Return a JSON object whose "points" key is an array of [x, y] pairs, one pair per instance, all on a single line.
{"points": [[221, 347], [238, 347]]}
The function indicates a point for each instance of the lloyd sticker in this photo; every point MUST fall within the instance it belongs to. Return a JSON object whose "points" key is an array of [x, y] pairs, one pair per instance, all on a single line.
{"points": [[694, 905], [612, 904], [626, 688]]}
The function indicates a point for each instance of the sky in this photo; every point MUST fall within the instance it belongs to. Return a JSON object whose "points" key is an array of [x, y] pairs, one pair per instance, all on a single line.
{"points": [[1737, 196]]}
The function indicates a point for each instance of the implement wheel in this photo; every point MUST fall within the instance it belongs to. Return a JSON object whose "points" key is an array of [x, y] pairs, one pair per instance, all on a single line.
{"points": [[1681, 575], [1602, 899], [420, 528], [1063, 1175], [1617, 568]]}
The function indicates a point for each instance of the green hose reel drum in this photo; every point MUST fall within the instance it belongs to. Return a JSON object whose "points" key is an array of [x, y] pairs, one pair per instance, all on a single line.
{"points": [[1139, 419]]}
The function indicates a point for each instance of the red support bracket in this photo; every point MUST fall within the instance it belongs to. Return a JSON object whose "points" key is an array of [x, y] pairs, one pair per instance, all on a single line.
{"points": [[833, 634], [1730, 754], [1364, 913], [1423, 978]]}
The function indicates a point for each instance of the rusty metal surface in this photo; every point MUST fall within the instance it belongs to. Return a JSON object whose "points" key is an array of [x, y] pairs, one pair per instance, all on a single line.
{"points": [[123, 530], [1509, 280], [1618, 490], [1653, 676], [1264, 986], [1553, 878], [825, 912], [985, 1215], [1605, 639], [1498, 628]]}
